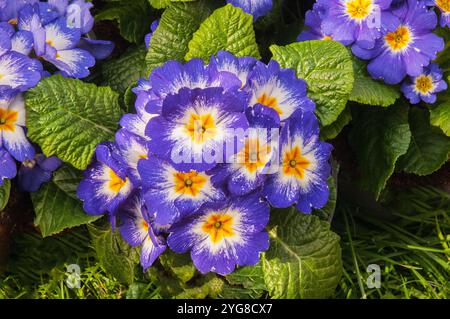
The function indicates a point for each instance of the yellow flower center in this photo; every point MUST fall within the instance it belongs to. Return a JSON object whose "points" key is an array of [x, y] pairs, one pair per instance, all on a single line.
{"points": [[190, 183], [253, 155], [115, 182], [444, 5], [399, 39], [359, 9], [424, 84], [201, 127], [269, 101], [327, 38], [29, 163], [8, 120], [218, 227], [145, 225], [294, 163], [13, 22]]}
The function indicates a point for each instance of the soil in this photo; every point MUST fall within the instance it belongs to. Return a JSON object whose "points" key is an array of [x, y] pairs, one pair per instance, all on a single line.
{"points": [[17, 217]]}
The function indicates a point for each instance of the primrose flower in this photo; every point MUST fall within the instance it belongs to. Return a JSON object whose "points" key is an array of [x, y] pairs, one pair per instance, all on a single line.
{"points": [[313, 20], [12, 126], [79, 12], [354, 21], [105, 185], [132, 149], [227, 62], [444, 7], [53, 31], [424, 86], [195, 127], [223, 236], [138, 229], [407, 46], [304, 168], [35, 172], [201, 156], [22, 42], [8, 168], [61, 51], [148, 37], [137, 123], [29, 20], [17, 71], [248, 169], [171, 194], [173, 76], [279, 89], [257, 8], [10, 9]]}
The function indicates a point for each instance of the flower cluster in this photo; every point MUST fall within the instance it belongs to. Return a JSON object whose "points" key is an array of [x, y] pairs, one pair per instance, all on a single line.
{"points": [[209, 149], [38, 38], [398, 34]]}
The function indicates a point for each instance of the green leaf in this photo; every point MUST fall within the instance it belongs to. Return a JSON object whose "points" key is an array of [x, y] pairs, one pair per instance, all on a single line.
{"points": [[228, 29], [245, 282], [304, 258], [5, 191], [119, 74], [176, 28], [115, 255], [162, 4], [133, 17], [141, 290], [68, 118], [56, 204], [327, 68], [379, 137], [180, 265], [329, 132], [429, 148], [368, 91], [129, 99], [250, 277], [440, 117]]}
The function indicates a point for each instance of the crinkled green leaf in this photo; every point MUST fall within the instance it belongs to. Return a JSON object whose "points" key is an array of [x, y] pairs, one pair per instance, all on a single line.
{"points": [[304, 258], [161, 4], [115, 255], [211, 286], [429, 148], [129, 99], [236, 292], [5, 190], [228, 29], [180, 265], [119, 74], [133, 17], [368, 91], [379, 137], [245, 282], [248, 277], [176, 28], [68, 118], [329, 132], [56, 204], [328, 70], [440, 117]]}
